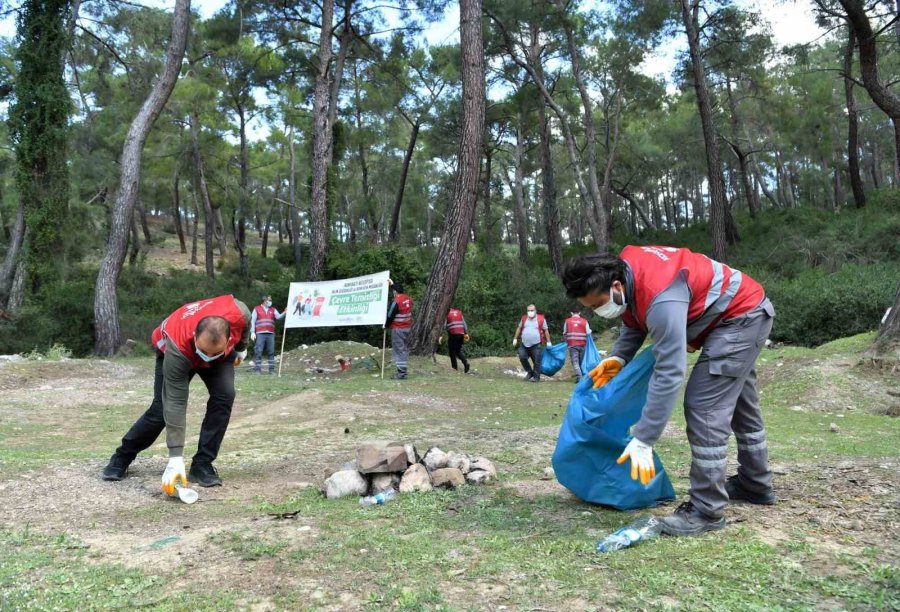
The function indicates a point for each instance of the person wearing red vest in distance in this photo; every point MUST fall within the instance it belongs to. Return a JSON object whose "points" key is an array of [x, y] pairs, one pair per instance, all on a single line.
{"points": [[457, 334], [262, 324], [207, 338], [685, 301], [533, 331], [399, 319], [576, 331]]}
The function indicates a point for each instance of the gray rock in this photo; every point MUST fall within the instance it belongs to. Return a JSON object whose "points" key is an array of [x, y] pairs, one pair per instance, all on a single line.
{"points": [[482, 463], [416, 478], [548, 474], [435, 459], [448, 478], [459, 461], [412, 455], [480, 477], [380, 482], [381, 458], [344, 483]]}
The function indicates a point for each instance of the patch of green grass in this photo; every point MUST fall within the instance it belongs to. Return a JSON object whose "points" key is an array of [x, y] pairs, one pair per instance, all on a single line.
{"points": [[248, 547], [50, 572]]}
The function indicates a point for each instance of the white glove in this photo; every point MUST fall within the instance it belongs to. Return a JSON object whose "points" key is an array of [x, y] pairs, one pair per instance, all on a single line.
{"points": [[252, 336], [549, 344], [174, 472], [641, 460], [239, 357], [515, 342]]}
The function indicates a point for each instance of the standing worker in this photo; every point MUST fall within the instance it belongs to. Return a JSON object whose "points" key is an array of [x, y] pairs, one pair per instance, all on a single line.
{"points": [[207, 338], [685, 300], [533, 331], [399, 319], [262, 322], [576, 331], [457, 334]]}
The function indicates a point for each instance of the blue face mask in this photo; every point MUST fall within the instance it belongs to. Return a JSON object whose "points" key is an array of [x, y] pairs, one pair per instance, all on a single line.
{"points": [[207, 358], [268, 303]]}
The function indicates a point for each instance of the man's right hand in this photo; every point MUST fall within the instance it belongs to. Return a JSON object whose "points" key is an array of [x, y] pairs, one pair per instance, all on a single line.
{"points": [[515, 342], [606, 370], [252, 336], [174, 472]]}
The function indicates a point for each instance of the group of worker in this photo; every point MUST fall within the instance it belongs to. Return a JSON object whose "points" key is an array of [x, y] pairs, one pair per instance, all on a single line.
{"points": [[683, 301]]}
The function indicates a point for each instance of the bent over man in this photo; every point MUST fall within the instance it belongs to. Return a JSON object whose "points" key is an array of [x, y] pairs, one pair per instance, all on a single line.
{"points": [[207, 338], [684, 300]]}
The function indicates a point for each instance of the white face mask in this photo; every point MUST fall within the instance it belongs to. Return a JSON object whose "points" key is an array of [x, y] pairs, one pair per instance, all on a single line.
{"points": [[268, 303], [531, 314], [611, 310]]}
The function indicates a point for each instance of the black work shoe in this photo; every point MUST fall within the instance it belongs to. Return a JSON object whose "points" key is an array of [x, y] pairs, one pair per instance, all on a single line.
{"points": [[465, 368], [205, 475], [688, 521], [536, 379], [116, 468], [398, 376], [737, 492], [528, 377]]}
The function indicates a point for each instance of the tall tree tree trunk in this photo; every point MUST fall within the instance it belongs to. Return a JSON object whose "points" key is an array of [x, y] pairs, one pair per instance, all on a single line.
{"points": [[856, 184], [135, 243], [294, 209], [881, 95], [444, 278], [265, 229], [195, 231], [107, 333], [176, 212], [145, 227], [718, 204], [209, 220], [243, 200], [11, 260], [404, 173], [886, 345], [219, 229], [743, 163], [519, 192], [17, 289], [488, 238], [322, 148]]}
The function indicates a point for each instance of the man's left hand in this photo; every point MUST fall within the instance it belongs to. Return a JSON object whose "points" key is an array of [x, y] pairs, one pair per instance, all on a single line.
{"points": [[239, 357]]}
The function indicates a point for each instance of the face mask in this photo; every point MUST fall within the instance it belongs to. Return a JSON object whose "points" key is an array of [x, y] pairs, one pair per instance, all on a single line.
{"points": [[611, 310], [207, 358], [268, 303], [531, 314]]}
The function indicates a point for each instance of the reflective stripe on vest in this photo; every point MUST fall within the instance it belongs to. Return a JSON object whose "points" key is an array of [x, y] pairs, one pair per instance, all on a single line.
{"points": [[455, 323], [576, 331], [265, 321]]}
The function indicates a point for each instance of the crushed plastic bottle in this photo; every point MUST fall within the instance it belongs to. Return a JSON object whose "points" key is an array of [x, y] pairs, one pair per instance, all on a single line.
{"points": [[382, 497], [644, 528]]}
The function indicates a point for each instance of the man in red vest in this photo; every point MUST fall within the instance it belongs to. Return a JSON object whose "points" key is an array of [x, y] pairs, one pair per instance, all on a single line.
{"points": [[262, 322], [399, 319], [576, 331], [457, 334], [685, 301], [533, 331], [207, 338]]}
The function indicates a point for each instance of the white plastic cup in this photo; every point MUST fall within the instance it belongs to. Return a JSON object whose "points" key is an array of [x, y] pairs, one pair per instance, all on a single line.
{"points": [[188, 496]]}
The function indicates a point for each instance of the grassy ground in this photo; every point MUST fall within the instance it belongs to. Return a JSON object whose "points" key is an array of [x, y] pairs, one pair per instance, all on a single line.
{"points": [[70, 540]]}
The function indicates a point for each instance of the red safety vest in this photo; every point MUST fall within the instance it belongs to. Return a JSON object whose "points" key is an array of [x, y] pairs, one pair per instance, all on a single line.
{"points": [[265, 321], [455, 322], [718, 292], [576, 331], [403, 318], [540, 322], [179, 326]]}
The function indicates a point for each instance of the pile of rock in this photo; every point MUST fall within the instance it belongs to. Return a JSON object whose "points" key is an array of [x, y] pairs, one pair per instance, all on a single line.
{"points": [[382, 465]]}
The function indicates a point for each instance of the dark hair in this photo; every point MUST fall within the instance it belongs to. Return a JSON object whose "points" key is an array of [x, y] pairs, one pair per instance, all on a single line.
{"points": [[215, 327], [266, 296], [398, 288], [592, 274]]}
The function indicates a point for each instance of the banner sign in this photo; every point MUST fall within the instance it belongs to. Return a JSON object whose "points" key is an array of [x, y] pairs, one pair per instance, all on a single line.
{"points": [[352, 301]]}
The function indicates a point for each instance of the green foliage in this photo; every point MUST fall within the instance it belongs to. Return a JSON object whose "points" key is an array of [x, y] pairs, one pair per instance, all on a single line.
{"points": [[38, 123]]}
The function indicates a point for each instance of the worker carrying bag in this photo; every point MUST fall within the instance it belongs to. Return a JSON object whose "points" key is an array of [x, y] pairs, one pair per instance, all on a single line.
{"points": [[594, 433], [554, 357]]}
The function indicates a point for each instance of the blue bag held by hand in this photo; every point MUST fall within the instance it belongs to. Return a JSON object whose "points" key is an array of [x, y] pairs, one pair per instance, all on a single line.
{"points": [[554, 357], [594, 433]]}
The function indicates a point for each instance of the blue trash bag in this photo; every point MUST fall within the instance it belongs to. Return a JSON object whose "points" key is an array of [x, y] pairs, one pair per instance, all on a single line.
{"points": [[594, 433], [553, 358]]}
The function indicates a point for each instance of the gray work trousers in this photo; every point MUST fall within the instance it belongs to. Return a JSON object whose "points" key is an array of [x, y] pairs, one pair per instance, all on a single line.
{"points": [[400, 348], [722, 398], [265, 344], [576, 354]]}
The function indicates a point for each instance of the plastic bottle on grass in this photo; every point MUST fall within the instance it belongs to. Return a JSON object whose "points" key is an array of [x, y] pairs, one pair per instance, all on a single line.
{"points": [[642, 529], [382, 497]]}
